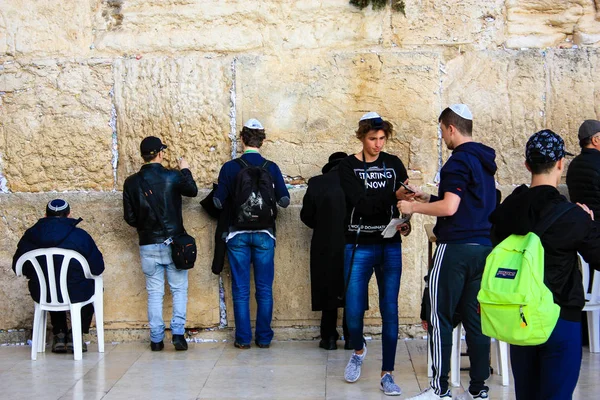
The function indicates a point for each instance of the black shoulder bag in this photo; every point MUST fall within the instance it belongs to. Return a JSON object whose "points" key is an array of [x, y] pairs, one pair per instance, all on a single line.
{"points": [[183, 246]]}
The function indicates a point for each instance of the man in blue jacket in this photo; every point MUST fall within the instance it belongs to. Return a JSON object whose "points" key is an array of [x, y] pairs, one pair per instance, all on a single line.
{"points": [[247, 244], [57, 229], [466, 198]]}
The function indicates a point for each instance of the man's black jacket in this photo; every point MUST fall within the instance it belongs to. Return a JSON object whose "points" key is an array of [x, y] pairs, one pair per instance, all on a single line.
{"points": [[583, 180], [168, 186], [63, 233]]}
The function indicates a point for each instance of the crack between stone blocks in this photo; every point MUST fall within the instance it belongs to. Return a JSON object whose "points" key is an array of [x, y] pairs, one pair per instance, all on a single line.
{"points": [[548, 84], [441, 71], [115, 145], [232, 109]]}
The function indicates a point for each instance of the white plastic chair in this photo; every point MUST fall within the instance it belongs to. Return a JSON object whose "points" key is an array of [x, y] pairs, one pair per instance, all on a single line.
{"points": [[499, 349], [40, 318], [592, 305]]}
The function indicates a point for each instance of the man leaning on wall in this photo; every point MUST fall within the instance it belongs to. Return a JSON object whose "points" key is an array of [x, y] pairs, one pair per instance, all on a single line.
{"points": [[154, 232]]}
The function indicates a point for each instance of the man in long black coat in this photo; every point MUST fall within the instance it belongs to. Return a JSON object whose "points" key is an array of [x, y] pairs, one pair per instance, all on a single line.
{"points": [[323, 210]]}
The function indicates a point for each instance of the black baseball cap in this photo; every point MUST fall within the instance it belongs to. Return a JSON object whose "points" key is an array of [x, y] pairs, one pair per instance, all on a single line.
{"points": [[544, 147], [151, 145]]}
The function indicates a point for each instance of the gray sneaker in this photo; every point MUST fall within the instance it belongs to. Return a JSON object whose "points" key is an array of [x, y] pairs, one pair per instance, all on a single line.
{"points": [[352, 372], [388, 386]]}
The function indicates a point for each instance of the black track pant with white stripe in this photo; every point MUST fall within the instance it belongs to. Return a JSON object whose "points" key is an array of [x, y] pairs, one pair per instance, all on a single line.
{"points": [[454, 282]]}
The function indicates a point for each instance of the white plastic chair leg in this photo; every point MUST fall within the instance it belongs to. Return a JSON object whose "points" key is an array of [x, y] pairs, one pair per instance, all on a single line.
{"points": [[593, 319], [455, 358], [44, 329], [99, 315], [35, 334], [503, 350], [429, 360], [76, 331]]}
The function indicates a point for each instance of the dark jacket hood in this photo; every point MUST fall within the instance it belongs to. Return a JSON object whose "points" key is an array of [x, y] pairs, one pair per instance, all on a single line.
{"points": [[51, 231], [486, 155], [525, 207]]}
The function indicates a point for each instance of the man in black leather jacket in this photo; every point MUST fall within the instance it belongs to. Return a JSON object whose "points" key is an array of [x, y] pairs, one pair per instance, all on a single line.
{"points": [[583, 176], [168, 186]]}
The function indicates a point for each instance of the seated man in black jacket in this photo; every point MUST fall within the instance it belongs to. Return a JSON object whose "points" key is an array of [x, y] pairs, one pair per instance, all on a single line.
{"points": [[58, 230], [550, 370]]}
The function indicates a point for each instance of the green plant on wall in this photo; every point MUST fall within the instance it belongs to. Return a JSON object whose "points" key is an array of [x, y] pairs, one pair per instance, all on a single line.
{"points": [[397, 5]]}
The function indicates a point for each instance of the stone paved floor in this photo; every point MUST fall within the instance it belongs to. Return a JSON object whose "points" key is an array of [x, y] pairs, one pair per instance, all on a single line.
{"points": [[288, 370]]}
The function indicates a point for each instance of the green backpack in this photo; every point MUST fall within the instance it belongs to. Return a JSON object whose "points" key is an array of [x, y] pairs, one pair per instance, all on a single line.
{"points": [[516, 306]]}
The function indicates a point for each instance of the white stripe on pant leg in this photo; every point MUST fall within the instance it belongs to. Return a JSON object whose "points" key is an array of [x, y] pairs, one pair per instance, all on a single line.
{"points": [[435, 322]]}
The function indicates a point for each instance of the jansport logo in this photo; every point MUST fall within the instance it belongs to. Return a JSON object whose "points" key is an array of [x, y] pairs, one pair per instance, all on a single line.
{"points": [[506, 273]]}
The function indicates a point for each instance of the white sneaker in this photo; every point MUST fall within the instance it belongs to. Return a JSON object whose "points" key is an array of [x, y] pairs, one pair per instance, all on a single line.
{"points": [[429, 394], [468, 396], [352, 372], [388, 386]]}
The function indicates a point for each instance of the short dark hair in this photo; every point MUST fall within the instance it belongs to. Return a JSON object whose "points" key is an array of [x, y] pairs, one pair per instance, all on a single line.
{"points": [[149, 157], [541, 169], [252, 137], [366, 126], [449, 117], [585, 141]]}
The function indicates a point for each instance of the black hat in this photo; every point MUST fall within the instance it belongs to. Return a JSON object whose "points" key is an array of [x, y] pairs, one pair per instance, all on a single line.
{"points": [[544, 147], [151, 146], [334, 160], [589, 128], [57, 207]]}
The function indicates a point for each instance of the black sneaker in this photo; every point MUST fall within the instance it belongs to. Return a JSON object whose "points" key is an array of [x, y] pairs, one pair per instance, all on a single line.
{"points": [[70, 344], [59, 343], [263, 345], [179, 342], [241, 346], [157, 346]]}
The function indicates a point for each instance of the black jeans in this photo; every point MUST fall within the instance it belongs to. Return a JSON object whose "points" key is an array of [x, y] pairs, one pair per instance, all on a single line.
{"points": [[59, 320]]}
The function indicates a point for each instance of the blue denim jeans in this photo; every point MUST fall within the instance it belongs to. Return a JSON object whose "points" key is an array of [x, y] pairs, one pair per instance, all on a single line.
{"points": [[156, 260], [386, 261], [549, 371], [257, 248]]}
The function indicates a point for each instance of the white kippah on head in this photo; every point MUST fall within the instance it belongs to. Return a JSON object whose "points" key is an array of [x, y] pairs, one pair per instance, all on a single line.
{"points": [[253, 124], [462, 110], [57, 205], [369, 115]]}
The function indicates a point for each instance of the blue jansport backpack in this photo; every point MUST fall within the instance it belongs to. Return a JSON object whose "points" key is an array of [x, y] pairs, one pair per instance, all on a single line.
{"points": [[516, 306]]}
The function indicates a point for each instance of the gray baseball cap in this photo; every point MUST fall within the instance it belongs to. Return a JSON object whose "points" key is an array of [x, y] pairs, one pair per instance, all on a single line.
{"points": [[589, 128]]}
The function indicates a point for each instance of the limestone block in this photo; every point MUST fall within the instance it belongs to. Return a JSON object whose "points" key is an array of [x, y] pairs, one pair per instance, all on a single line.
{"points": [[550, 23], [505, 91], [125, 298], [313, 106], [143, 26], [54, 121], [185, 101], [573, 92], [46, 28], [471, 23]]}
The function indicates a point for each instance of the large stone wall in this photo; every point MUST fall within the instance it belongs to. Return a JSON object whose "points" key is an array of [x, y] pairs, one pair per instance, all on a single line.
{"points": [[84, 81]]}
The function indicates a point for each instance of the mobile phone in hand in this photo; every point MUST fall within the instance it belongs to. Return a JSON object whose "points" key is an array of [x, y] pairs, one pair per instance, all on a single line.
{"points": [[405, 186]]}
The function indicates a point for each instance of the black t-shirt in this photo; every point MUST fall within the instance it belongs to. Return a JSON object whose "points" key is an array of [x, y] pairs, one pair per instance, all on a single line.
{"points": [[370, 190]]}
